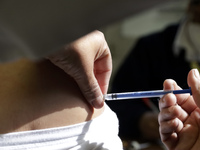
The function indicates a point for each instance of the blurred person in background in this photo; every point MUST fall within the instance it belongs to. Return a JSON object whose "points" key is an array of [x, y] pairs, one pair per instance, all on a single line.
{"points": [[170, 53]]}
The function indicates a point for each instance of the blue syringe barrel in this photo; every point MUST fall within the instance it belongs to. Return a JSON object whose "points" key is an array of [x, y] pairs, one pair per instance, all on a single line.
{"points": [[144, 94]]}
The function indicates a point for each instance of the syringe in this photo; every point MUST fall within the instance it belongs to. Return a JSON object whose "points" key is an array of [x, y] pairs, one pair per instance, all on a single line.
{"points": [[143, 94]]}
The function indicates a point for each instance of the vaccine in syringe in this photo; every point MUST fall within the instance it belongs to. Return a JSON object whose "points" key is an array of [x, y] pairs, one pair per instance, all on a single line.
{"points": [[143, 94]]}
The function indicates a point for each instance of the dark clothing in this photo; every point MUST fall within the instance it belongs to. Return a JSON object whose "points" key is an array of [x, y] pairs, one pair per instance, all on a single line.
{"points": [[149, 63]]}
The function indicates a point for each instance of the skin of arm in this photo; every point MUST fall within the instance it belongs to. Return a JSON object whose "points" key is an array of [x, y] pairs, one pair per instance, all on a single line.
{"points": [[38, 95]]}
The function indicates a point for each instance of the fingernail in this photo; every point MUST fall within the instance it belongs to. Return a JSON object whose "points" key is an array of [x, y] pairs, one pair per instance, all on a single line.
{"points": [[98, 103], [196, 73]]}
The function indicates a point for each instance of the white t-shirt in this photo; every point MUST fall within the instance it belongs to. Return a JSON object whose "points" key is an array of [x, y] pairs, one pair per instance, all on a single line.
{"points": [[100, 133]]}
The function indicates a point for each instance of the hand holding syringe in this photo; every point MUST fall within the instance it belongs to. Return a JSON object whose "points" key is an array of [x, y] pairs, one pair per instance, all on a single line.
{"points": [[143, 94]]}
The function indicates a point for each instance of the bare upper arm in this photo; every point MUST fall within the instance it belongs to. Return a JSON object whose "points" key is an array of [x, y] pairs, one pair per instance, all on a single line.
{"points": [[40, 95]]}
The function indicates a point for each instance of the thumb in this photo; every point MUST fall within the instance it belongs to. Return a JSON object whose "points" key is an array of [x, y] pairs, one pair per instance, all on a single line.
{"points": [[84, 77], [194, 83], [90, 88]]}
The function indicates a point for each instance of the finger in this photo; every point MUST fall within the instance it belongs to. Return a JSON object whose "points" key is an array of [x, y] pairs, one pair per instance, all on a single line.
{"points": [[169, 132], [169, 127], [90, 89], [167, 101], [88, 84], [170, 140], [184, 100], [100, 73], [83, 60], [174, 111], [170, 84], [103, 69]]}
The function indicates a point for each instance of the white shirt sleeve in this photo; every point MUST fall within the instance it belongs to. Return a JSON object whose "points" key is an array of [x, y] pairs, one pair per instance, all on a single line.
{"points": [[36, 28]]}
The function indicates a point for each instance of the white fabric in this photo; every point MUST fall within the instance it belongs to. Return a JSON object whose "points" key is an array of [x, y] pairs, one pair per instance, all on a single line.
{"points": [[188, 38], [100, 133]]}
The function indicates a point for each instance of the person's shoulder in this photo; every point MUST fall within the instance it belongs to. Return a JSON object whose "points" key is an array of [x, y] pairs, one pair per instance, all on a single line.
{"points": [[169, 30], [160, 38]]}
